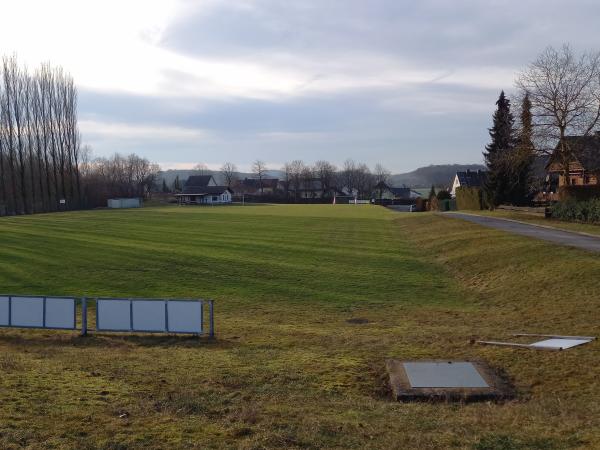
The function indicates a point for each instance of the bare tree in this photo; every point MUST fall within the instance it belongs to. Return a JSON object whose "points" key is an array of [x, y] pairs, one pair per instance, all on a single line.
{"points": [[381, 178], [202, 168], [347, 176], [229, 173], [564, 90], [39, 138], [364, 180], [296, 170], [325, 172], [259, 168]]}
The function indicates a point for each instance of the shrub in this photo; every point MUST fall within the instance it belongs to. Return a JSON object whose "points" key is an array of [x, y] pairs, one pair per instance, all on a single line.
{"points": [[579, 192], [469, 198], [443, 195], [577, 211]]}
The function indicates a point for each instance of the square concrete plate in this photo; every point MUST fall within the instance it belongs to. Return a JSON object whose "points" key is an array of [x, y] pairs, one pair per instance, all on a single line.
{"points": [[445, 380], [443, 375]]}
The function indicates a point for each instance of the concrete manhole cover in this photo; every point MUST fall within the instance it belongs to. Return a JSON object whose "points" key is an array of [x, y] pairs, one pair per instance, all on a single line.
{"points": [[446, 380]]}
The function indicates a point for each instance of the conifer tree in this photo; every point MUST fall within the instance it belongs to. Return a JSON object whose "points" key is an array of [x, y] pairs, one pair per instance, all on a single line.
{"points": [[523, 157], [165, 188], [498, 153], [432, 192], [176, 184]]}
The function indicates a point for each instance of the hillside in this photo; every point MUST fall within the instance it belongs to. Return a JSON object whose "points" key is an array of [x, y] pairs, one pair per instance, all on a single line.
{"points": [[438, 175], [423, 177]]}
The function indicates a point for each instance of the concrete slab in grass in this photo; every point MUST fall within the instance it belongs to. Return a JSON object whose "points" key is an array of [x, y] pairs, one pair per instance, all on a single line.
{"points": [[446, 381]]}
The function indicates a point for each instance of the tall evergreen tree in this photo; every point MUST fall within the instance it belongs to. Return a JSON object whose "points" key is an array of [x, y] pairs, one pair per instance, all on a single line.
{"points": [[523, 157], [165, 188], [176, 185], [498, 153], [432, 192]]}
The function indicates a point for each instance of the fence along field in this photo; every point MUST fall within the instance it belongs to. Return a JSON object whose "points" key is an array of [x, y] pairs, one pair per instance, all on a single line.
{"points": [[120, 315]]}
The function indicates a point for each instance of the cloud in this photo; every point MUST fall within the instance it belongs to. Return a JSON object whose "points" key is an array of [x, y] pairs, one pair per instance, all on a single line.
{"points": [[123, 131], [392, 81]]}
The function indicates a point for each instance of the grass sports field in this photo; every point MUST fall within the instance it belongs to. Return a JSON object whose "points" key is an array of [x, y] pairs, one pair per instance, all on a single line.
{"points": [[288, 370]]}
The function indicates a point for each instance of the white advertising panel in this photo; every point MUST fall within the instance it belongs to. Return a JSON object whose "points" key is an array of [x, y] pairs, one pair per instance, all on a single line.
{"points": [[149, 315], [185, 316], [60, 313], [4, 310], [27, 312], [113, 315]]}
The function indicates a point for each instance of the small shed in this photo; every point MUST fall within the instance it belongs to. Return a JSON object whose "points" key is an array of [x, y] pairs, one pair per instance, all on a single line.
{"points": [[119, 203]]}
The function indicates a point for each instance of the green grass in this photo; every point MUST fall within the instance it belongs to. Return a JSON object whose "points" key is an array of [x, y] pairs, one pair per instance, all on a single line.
{"points": [[287, 369]]}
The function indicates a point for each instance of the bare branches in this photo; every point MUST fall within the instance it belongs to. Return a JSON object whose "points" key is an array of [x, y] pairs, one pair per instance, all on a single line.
{"points": [[39, 139], [564, 90], [229, 173], [259, 168]]}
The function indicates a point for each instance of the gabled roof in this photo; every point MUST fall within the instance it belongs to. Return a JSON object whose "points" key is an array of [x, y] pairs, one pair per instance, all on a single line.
{"points": [[199, 180], [472, 178], [205, 190], [586, 149], [403, 192], [398, 192]]}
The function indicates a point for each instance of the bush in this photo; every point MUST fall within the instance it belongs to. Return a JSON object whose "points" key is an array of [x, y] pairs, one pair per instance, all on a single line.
{"points": [[443, 195], [447, 205], [469, 198], [579, 192], [577, 211]]}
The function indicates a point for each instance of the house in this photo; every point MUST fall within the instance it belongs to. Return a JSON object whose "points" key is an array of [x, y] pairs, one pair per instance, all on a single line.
{"points": [[385, 192], [584, 161], [203, 189], [468, 178], [254, 186]]}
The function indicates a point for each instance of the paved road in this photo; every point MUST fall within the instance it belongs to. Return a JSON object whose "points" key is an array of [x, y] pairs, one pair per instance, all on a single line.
{"points": [[568, 238]]}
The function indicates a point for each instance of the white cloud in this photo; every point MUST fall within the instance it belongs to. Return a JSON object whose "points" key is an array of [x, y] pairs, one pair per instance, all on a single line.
{"points": [[114, 45], [95, 130]]}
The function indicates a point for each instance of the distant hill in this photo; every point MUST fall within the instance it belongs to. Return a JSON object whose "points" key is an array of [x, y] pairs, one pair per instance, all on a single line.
{"points": [[423, 177], [170, 175], [438, 175]]}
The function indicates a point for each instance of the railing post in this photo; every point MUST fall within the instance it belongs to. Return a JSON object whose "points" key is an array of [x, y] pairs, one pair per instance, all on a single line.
{"points": [[211, 319], [84, 316]]}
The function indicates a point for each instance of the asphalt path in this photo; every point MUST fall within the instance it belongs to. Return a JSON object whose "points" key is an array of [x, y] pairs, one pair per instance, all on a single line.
{"points": [[568, 238]]}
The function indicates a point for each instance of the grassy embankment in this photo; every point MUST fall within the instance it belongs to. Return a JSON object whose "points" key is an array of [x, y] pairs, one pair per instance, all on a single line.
{"points": [[287, 369]]}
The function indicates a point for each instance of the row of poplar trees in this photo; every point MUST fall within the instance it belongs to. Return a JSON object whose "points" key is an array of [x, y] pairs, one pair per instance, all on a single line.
{"points": [[39, 140], [510, 155]]}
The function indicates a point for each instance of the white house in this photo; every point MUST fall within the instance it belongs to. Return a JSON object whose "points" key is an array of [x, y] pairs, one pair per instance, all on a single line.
{"points": [[203, 190], [469, 178]]}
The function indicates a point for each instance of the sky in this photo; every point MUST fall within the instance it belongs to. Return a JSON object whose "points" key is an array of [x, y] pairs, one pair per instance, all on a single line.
{"points": [[185, 82]]}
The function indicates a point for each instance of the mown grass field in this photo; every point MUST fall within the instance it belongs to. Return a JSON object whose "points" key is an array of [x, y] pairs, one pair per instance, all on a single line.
{"points": [[287, 369]]}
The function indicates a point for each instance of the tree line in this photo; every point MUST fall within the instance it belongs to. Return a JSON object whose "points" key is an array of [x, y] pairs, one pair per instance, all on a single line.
{"points": [[39, 140], [559, 96], [43, 167], [322, 179]]}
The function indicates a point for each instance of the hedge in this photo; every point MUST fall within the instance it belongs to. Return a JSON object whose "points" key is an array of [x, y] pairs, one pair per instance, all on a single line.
{"points": [[579, 192], [577, 211], [469, 198]]}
